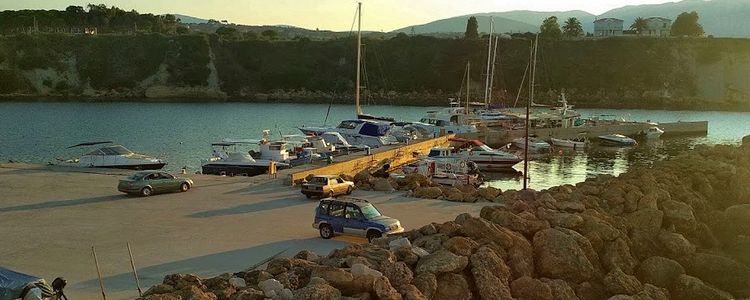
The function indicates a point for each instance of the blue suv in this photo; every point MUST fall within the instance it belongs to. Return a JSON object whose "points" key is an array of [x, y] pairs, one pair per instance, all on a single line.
{"points": [[353, 216]]}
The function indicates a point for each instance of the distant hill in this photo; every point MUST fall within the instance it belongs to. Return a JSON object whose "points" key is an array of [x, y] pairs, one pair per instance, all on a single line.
{"points": [[726, 18], [512, 21], [190, 20], [719, 17]]}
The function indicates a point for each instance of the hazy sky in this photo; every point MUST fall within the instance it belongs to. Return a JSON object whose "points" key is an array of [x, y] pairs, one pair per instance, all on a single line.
{"points": [[332, 14]]}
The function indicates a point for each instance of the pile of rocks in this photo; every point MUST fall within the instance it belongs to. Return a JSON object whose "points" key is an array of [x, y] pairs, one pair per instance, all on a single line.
{"points": [[422, 187], [678, 230]]}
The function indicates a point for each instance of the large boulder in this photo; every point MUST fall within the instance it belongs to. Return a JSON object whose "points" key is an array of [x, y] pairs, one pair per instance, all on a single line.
{"points": [[491, 275], [442, 261], [488, 193], [527, 288], [679, 214], [591, 290], [659, 271], [650, 292], [195, 293], [723, 272], [460, 245], [478, 228], [561, 290], [397, 273], [317, 289], [382, 185], [559, 256], [383, 289], [691, 288], [451, 286], [647, 221], [426, 283], [616, 255], [617, 282], [739, 218], [528, 225], [411, 292], [675, 245], [428, 192]]}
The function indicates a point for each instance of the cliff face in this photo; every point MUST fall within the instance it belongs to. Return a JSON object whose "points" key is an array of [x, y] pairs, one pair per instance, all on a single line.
{"points": [[647, 73]]}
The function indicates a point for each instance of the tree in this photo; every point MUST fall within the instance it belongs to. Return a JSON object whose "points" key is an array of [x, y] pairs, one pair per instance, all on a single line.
{"points": [[226, 33], [573, 27], [687, 24], [550, 28], [472, 29], [183, 30], [270, 34], [639, 25]]}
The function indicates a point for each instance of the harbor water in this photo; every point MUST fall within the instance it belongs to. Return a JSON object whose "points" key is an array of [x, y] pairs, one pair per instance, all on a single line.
{"points": [[181, 133]]}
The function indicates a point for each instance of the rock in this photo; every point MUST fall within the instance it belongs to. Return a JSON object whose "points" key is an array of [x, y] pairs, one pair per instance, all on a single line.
{"points": [[455, 195], [183, 281], [426, 283], [428, 229], [307, 255], [507, 219], [570, 206], [460, 245], [562, 219], [358, 270], [621, 297], [520, 258], [558, 256], [278, 265], [397, 273], [651, 292], [527, 288], [616, 255], [407, 255], [399, 243], [442, 261], [410, 292], [338, 278], [449, 228], [591, 291], [193, 292], [428, 192], [269, 286], [722, 272], [648, 201], [431, 243], [617, 282], [659, 271], [587, 248], [382, 185], [675, 245], [249, 294], [478, 228], [561, 290], [647, 221], [451, 286], [488, 193], [678, 214], [237, 282], [256, 276], [691, 288], [286, 294], [593, 224], [384, 290], [159, 289], [317, 289], [170, 296], [491, 275], [739, 218]]}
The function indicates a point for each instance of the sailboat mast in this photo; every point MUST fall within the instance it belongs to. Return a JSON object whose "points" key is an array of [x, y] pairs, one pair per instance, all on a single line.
{"points": [[528, 109], [489, 56], [468, 80], [359, 57], [492, 73]]}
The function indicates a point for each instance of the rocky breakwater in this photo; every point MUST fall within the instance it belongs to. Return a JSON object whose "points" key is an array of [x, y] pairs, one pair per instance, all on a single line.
{"points": [[678, 230]]}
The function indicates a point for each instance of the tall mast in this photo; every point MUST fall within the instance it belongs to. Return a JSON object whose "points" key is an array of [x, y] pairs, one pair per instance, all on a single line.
{"points": [[492, 73], [528, 108], [359, 56], [489, 57], [468, 80]]}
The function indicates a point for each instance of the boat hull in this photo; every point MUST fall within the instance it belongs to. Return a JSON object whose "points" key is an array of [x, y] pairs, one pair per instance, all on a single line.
{"points": [[608, 142], [568, 144], [234, 170], [496, 166]]}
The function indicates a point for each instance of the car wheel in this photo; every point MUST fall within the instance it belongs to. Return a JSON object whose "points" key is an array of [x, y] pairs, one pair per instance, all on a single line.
{"points": [[326, 231], [373, 234], [349, 191], [308, 196], [184, 187], [145, 192]]}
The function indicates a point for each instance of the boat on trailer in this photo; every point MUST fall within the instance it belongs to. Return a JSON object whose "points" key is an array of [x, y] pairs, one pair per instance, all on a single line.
{"points": [[112, 156]]}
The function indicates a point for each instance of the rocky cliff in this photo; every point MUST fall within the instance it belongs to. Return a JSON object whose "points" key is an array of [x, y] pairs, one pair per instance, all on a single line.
{"points": [[647, 73]]}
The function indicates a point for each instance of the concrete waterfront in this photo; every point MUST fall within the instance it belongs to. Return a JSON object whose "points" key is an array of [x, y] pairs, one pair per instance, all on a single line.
{"points": [[51, 216]]}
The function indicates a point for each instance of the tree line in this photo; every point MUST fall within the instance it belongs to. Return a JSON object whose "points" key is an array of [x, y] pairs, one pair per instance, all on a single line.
{"points": [[104, 19]]}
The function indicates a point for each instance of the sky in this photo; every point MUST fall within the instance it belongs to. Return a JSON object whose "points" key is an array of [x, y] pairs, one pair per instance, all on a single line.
{"points": [[378, 15]]}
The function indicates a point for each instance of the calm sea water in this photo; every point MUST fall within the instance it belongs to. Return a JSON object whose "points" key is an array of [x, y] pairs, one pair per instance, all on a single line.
{"points": [[181, 133]]}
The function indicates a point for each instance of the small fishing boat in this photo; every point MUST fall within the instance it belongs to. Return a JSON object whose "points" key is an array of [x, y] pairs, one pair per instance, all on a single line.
{"points": [[112, 156], [535, 144], [617, 140], [652, 132], [451, 172], [577, 143], [486, 158]]}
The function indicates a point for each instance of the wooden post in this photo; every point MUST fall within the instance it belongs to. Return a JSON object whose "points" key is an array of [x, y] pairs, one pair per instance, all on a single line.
{"points": [[99, 273], [135, 273]]}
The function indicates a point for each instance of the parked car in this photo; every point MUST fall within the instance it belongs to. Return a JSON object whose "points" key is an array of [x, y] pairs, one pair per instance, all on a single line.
{"points": [[147, 183], [327, 186], [353, 216]]}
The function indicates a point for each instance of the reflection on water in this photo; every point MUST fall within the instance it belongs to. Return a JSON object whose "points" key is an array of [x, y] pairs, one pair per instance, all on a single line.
{"points": [[567, 166]]}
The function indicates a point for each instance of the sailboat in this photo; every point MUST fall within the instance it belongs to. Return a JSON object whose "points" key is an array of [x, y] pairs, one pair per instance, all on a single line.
{"points": [[360, 114]]}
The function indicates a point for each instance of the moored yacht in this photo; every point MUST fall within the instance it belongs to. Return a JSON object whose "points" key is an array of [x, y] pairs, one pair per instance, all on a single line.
{"points": [[449, 120], [358, 132], [535, 144], [113, 156], [452, 172], [617, 140], [226, 160], [486, 158]]}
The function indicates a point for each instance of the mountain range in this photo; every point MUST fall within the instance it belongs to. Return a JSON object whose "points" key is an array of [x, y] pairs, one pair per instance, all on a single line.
{"points": [[727, 18]]}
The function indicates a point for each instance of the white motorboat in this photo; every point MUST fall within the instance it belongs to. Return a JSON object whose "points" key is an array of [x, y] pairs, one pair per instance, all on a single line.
{"points": [[452, 172], [652, 132], [577, 143], [535, 144], [448, 120], [226, 160], [113, 156], [486, 158], [370, 133], [617, 140]]}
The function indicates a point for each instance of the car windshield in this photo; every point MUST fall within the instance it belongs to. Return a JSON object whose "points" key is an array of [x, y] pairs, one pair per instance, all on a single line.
{"points": [[319, 180], [135, 176], [369, 211]]}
